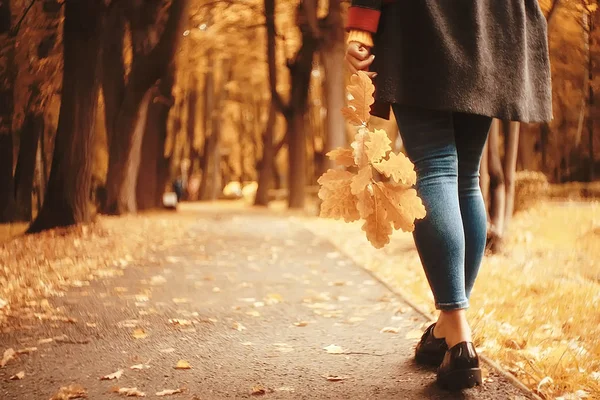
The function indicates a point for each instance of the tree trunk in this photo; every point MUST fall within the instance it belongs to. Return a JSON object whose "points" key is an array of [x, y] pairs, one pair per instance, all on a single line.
{"points": [[192, 111], [267, 163], [332, 54], [497, 189], [154, 167], [125, 148], [209, 139], [511, 151], [33, 126], [67, 196], [7, 82]]}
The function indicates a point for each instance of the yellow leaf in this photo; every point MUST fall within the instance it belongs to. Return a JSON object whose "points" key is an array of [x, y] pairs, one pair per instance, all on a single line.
{"points": [[351, 115], [169, 392], [377, 228], [361, 89], [341, 156], [338, 201], [139, 334], [390, 329], [183, 364], [129, 392], [378, 145], [399, 168], [334, 349], [359, 148], [361, 180], [402, 205], [365, 203], [301, 323], [18, 376], [8, 355]]}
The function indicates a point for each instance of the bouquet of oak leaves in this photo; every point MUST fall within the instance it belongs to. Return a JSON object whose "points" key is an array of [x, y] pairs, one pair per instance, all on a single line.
{"points": [[358, 193]]}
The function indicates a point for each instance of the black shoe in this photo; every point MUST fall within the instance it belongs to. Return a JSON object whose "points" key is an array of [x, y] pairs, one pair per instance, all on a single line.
{"points": [[430, 350], [460, 368]]}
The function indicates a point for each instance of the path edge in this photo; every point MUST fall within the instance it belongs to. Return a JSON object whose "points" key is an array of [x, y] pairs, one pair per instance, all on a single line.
{"points": [[404, 297]]}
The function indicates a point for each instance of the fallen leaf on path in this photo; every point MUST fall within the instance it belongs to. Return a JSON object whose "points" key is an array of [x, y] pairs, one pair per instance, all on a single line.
{"points": [[3, 303], [120, 289], [72, 391], [169, 392], [247, 344], [91, 324], [301, 323], [139, 367], [45, 341], [335, 378], [259, 304], [181, 300], [238, 326], [183, 364], [18, 376], [334, 349], [285, 389], [259, 390], [414, 334], [139, 334], [216, 289], [158, 280], [180, 322], [273, 298], [390, 329], [253, 313], [27, 350], [9, 354], [114, 375], [168, 350], [129, 392], [355, 319], [142, 298]]}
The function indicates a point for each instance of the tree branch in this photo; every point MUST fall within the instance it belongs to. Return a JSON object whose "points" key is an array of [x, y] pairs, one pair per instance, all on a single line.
{"points": [[17, 27]]}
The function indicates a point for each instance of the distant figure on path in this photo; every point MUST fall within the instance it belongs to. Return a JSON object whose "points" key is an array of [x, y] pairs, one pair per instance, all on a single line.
{"points": [[447, 67]]}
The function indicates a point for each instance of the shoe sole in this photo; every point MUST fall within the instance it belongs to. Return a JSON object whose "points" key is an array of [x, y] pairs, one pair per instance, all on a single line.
{"points": [[460, 379]]}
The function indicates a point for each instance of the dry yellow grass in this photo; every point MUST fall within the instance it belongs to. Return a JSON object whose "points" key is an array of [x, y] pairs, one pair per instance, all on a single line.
{"points": [[535, 308]]}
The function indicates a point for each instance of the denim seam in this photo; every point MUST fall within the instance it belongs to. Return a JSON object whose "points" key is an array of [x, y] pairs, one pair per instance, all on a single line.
{"points": [[452, 306]]}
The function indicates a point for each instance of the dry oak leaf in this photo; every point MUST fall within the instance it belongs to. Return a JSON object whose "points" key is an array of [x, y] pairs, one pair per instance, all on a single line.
{"points": [[334, 349], [129, 392], [378, 145], [110, 377], [377, 227], [359, 147], [390, 329], [169, 392], [342, 156], [399, 168], [338, 201], [139, 367], [402, 205], [361, 181], [365, 203], [335, 378], [259, 390], [139, 334], [361, 91], [72, 391], [183, 364]]}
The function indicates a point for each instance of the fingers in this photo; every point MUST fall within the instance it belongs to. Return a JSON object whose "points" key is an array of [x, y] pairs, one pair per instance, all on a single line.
{"points": [[358, 51], [359, 58], [359, 65]]}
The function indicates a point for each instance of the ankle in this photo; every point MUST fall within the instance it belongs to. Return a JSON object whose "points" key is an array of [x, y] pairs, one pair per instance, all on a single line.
{"points": [[454, 327]]}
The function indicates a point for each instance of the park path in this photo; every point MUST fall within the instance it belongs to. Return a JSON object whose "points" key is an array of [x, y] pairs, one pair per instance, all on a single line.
{"points": [[255, 304]]}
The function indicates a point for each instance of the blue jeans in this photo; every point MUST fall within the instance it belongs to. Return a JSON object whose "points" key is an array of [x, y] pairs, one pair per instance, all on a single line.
{"points": [[446, 149]]}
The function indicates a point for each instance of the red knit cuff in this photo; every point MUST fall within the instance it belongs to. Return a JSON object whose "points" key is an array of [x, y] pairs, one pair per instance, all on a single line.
{"points": [[364, 19]]}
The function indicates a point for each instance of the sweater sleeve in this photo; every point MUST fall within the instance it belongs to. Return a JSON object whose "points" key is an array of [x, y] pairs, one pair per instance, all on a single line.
{"points": [[363, 37], [364, 15]]}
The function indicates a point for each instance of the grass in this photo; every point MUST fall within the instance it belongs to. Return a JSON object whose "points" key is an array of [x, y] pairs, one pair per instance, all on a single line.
{"points": [[535, 307]]}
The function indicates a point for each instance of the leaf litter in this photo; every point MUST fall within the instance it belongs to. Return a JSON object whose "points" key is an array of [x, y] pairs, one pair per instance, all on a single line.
{"points": [[73, 391], [114, 375]]}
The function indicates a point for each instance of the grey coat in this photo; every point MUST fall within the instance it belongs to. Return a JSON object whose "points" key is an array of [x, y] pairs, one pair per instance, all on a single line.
{"points": [[486, 57]]}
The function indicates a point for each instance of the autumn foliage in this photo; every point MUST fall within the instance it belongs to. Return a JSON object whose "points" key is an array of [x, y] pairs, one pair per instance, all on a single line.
{"points": [[357, 193]]}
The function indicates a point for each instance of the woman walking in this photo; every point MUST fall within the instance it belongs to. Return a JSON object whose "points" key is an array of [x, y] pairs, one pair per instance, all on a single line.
{"points": [[446, 68]]}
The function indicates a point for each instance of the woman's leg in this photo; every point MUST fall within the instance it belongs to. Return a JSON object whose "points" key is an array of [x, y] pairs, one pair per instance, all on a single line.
{"points": [[470, 132], [429, 140]]}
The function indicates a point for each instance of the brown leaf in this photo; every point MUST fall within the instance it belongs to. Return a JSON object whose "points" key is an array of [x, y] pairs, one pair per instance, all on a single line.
{"points": [[139, 367], [342, 156], [334, 349], [335, 378], [390, 329], [238, 326], [18, 376], [180, 322], [300, 323], [351, 115], [183, 364], [399, 168], [27, 350], [365, 204], [361, 180], [129, 392], [169, 392], [259, 390], [402, 205], [361, 89], [72, 391], [9, 354], [378, 145], [338, 201], [114, 375]]}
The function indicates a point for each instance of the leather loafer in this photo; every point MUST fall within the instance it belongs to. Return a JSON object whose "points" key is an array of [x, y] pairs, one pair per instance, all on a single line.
{"points": [[460, 368], [430, 350]]}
